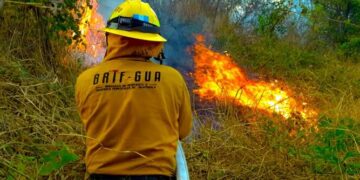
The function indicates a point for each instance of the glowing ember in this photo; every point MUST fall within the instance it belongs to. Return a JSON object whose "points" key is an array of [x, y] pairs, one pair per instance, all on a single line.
{"points": [[218, 77], [93, 46]]}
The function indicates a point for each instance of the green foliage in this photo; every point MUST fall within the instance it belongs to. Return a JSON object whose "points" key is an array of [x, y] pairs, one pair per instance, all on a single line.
{"points": [[37, 91], [338, 22], [352, 48], [332, 149], [343, 18], [20, 166], [61, 19], [40, 31], [271, 20], [14, 71], [315, 68], [335, 148], [55, 160]]}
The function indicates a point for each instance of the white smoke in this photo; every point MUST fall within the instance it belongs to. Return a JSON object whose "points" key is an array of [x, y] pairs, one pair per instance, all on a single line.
{"points": [[107, 6]]}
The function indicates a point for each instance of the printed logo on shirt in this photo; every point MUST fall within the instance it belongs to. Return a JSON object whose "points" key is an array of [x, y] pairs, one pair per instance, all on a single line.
{"points": [[120, 80]]}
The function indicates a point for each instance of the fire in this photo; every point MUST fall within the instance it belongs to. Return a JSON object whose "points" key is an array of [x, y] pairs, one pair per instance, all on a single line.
{"points": [[218, 77], [93, 41]]}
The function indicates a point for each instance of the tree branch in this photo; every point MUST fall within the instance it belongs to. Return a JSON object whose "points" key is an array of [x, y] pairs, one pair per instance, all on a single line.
{"points": [[38, 5], [334, 20]]}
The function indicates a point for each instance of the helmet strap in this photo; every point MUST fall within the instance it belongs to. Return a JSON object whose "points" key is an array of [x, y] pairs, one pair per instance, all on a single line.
{"points": [[161, 57], [107, 44]]}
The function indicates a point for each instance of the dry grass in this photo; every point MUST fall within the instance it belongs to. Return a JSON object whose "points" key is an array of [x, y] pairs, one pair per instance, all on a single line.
{"points": [[38, 116], [36, 95], [235, 148], [245, 145]]}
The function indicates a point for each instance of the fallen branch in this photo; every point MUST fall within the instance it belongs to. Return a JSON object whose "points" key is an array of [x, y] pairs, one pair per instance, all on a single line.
{"points": [[344, 22]]}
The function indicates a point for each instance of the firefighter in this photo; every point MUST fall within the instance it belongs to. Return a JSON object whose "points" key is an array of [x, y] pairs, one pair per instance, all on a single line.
{"points": [[134, 111]]}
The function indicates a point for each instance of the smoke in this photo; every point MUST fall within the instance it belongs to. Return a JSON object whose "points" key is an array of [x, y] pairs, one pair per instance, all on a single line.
{"points": [[107, 6], [179, 32], [180, 22]]}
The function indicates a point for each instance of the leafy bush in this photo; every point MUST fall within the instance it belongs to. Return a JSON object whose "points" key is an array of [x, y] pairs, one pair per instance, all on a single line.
{"points": [[55, 160], [352, 48], [335, 149]]}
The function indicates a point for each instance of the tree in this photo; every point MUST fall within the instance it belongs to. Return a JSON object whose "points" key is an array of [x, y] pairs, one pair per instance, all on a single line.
{"points": [[340, 24], [45, 24]]}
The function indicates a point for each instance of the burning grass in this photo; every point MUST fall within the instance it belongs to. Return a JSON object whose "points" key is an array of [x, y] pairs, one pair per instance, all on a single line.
{"points": [[218, 77]]}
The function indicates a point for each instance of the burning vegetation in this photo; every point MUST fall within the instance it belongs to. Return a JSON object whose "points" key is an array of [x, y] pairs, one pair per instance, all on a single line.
{"points": [[92, 40], [219, 78], [217, 75]]}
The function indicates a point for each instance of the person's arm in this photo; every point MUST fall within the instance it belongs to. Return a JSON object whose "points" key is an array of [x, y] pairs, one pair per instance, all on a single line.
{"points": [[185, 117]]}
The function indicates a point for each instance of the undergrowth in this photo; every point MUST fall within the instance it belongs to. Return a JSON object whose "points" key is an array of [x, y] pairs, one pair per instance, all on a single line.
{"points": [[41, 133], [263, 148], [37, 110], [329, 80]]}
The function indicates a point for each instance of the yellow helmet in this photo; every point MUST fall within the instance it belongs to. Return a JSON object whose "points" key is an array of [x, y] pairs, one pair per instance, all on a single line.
{"points": [[135, 19]]}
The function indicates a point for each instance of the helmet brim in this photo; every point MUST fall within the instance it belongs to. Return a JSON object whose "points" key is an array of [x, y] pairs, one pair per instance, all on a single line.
{"points": [[136, 35]]}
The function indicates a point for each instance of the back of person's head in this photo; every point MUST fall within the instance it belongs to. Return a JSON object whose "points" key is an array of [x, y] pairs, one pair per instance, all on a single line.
{"points": [[123, 47]]}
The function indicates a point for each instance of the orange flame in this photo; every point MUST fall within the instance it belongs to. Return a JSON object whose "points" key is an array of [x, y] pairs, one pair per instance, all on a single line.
{"points": [[93, 41], [218, 77]]}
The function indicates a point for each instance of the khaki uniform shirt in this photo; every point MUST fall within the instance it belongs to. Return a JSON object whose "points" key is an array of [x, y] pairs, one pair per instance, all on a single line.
{"points": [[134, 112]]}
